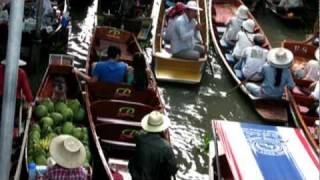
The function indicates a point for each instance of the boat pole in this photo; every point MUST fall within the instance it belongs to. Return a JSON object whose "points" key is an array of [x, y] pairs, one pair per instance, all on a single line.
{"points": [[10, 86]]}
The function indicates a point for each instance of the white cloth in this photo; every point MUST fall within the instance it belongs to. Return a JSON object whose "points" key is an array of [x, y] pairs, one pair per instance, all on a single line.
{"points": [[316, 91], [234, 26], [254, 57], [244, 40], [290, 3], [170, 28], [311, 70], [184, 35]]}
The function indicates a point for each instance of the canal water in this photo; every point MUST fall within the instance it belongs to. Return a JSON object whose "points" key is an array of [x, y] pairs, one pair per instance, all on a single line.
{"points": [[191, 108]]}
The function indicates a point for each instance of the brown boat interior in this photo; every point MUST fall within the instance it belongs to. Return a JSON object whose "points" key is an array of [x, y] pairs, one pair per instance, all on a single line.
{"points": [[106, 91], [272, 110]]}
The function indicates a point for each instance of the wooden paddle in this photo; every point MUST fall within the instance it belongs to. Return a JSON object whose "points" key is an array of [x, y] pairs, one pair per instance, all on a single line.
{"points": [[225, 94]]}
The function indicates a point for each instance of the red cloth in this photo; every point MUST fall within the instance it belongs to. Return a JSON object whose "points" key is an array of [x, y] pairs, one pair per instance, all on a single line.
{"points": [[22, 84], [177, 9], [59, 173]]}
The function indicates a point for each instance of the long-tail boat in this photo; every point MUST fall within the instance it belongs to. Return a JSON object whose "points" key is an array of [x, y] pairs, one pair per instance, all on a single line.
{"points": [[220, 12], [116, 109], [252, 151], [302, 54], [290, 15], [136, 19], [59, 84], [168, 68]]}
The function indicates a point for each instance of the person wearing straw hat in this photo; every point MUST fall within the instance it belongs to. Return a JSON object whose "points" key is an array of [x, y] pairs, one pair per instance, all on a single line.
{"points": [[233, 26], [69, 155], [244, 38], [186, 41], [23, 85], [276, 75], [154, 158], [311, 70]]}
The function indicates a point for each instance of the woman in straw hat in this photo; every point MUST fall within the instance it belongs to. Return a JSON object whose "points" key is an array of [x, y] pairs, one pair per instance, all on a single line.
{"points": [[69, 155], [234, 26], [22, 84], [276, 75], [309, 71], [154, 158]]}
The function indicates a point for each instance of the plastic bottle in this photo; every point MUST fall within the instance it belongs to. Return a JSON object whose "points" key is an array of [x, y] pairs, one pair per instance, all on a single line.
{"points": [[32, 171]]}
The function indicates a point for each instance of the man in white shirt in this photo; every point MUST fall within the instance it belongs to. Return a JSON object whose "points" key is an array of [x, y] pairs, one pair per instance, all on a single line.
{"points": [[186, 42], [253, 58], [234, 26], [244, 38]]}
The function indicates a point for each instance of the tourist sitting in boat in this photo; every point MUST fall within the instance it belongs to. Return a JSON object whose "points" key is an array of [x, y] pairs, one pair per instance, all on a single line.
{"points": [[186, 42], [234, 26], [252, 59], [22, 86], [244, 38], [154, 158], [110, 70], [288, 4], [172, 14], [137, 74], [309, 71], [68, 154], [276, 75]]}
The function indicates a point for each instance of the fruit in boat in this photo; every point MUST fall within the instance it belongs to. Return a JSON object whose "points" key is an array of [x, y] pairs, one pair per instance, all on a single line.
{"points": [[46, 121], [60, 106], [41, 160], [74, 104], [79, 115], [67, 114], [49, 104], [67, 128], [57, 117], [41, 111]]}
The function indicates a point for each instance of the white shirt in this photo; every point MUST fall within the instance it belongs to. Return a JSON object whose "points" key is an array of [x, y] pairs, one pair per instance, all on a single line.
{"points": [[184, 35], [244, 39], [170, 28], [316, 91], [234, 26], [254, 58], [290, 3]]}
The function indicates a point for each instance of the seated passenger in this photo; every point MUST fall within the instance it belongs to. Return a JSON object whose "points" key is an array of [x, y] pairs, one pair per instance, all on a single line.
{"points": [[234, 26], [137, 74], [172, 14], [244, 38], [252, 59], [186, 42], [110, 71], [308, 71], [276, 75]]}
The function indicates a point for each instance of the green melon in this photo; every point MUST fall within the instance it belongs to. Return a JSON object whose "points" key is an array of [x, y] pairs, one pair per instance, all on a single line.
{"points": [[41, 111]]}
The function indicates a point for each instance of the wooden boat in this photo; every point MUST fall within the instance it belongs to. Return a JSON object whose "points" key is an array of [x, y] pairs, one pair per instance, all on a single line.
{"points": [[140, 22], [179, 70], [252, 151], [291, 15], [219, 13], [54, 37], [302, 54], [113, 130], [60, 66]]}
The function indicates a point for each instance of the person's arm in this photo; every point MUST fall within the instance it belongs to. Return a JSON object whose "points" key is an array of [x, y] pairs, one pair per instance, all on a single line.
{"points": [[25, 85], [84, 76], [183, 33], [290, 82]]}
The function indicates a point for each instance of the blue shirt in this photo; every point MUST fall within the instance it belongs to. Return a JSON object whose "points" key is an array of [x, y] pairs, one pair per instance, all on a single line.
{"points": [[268, 89], [184, 35], [110, 71]]}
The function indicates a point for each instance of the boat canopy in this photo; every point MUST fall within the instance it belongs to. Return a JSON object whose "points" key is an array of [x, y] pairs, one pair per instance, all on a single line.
{"points": [[267, 152]]}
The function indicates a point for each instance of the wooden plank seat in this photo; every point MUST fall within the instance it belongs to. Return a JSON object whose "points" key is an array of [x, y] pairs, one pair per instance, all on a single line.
{"points": [[124, 92], [117, 109]]}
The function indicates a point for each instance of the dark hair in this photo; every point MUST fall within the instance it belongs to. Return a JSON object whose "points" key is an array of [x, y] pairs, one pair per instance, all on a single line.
{"points": [[278, 77], [139, 72], [113, 51]]}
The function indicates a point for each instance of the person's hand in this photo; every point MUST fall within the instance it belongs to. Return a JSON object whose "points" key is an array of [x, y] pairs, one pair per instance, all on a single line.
{"points": [[198, 27]]}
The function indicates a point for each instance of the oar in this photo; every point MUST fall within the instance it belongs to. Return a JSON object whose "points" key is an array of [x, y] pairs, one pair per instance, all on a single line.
{"points": [[225, 94]]}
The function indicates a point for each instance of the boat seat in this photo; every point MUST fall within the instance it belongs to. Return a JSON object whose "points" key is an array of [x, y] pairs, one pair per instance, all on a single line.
{"points": [[116, 121]]}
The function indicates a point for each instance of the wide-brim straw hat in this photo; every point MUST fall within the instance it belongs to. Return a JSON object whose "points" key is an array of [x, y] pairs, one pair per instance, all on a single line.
{"points": [[280, 57], [20, 63], [316, 54], [155, 122], [192, 5], [67, 151], [248, 25]]}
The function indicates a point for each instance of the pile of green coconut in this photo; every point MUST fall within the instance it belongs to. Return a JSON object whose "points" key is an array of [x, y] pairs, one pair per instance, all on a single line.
{"points": [[52, 119]]}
